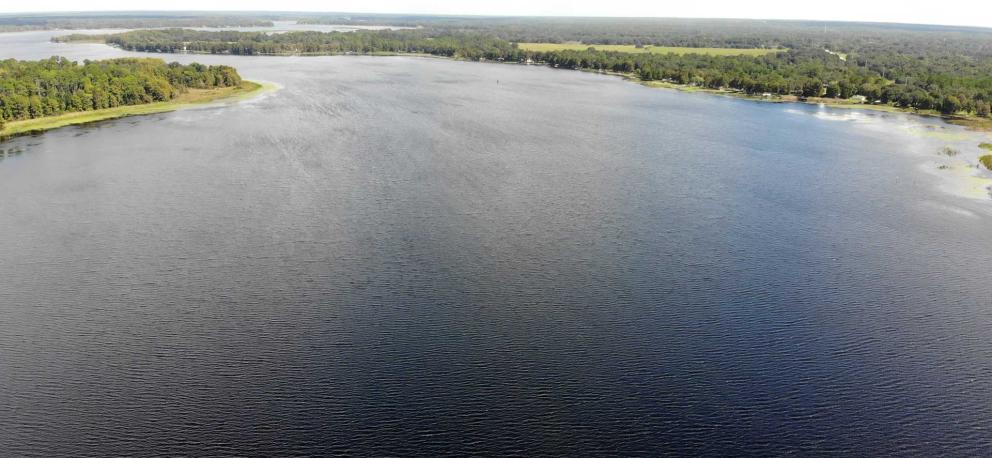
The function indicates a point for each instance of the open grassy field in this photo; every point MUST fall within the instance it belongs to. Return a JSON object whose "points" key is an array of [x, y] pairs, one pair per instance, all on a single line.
{"points": [[545, 47], [191, 98]]}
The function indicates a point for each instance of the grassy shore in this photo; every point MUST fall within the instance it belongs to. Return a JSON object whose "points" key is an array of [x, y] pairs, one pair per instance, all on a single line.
{"points": [[545, 47], [972, 122], [966, 120], [193, 97]]}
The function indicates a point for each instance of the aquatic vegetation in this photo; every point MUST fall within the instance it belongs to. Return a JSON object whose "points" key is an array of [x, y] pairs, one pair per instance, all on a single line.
{"points": [[986, 160], [940, 133], [948, 151]]}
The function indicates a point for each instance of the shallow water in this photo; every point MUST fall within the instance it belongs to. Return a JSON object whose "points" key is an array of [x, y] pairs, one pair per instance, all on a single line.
{"points": [[398, 255]]}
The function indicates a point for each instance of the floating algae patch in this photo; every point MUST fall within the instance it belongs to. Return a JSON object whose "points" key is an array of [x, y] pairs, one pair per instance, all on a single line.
{"points": [[969, 181], [949, 152], [940, 133], [980, 187]]}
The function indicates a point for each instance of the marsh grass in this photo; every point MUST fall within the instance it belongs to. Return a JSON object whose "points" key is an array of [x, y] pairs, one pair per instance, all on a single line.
{"points": [[986, 160]]}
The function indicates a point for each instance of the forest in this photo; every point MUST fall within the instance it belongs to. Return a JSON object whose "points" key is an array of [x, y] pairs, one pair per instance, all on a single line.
{"points": [[945, 69], [453, 44], [34, 89], [695, 33]]}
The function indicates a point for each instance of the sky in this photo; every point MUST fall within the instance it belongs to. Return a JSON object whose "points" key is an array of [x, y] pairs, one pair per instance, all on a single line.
{"points": [[946, 12]]}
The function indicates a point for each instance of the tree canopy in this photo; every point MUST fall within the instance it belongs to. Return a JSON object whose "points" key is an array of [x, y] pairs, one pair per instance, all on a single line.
{"points": [[57, 85], [923, 67]]}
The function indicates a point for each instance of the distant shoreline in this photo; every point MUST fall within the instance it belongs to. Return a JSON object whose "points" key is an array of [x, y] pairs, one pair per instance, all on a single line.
{"points": [[192, 98], [968, 121]]}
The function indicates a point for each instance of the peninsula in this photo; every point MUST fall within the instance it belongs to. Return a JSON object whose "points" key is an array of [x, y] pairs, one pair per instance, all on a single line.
{"points": [[51, 93]]}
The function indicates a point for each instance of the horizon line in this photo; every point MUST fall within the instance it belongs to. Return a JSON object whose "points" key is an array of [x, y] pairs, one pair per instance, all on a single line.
{"points": [[456, 15]]}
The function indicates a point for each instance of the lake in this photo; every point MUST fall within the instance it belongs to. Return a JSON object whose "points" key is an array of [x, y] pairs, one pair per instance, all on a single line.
{"points": [[398, 255]]}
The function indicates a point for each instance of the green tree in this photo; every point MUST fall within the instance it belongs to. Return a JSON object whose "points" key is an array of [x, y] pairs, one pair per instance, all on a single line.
{"points": [[950, 105], [983, 109], [57, 85]]}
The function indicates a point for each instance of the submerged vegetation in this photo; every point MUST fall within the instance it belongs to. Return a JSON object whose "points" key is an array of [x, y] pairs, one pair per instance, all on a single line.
{"points": [[57, 86], [928, 68]]}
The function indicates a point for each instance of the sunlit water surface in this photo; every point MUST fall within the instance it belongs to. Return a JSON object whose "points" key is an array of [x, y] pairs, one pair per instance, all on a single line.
{"points": [[398, 255]]}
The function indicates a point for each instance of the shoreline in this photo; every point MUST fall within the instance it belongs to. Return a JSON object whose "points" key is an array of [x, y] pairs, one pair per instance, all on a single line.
{"points": [[192, 98], [967, 121], [970, 122], [968, 180]]}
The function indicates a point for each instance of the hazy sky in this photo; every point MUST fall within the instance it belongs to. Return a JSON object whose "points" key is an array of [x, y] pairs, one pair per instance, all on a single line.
{"points": [[956, 12]]}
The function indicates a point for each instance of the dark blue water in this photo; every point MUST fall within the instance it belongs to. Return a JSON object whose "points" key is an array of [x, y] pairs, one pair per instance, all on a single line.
{"points": [[397, 256]]}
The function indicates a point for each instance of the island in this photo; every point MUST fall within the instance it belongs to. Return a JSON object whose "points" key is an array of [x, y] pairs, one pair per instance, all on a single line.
{"points": [[55, 92]]}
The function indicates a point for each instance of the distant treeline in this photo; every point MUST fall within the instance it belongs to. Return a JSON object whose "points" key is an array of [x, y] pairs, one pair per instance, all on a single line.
{"points": [[261, 43], [695, 33], [33, 89], [21, 22], [911, 67], [949, 84]]}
